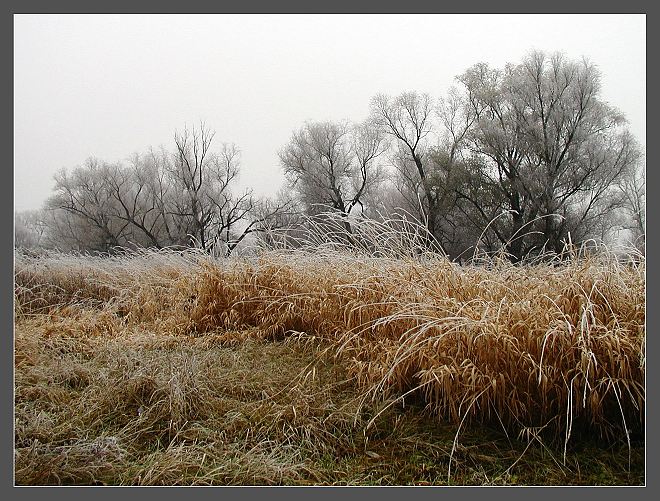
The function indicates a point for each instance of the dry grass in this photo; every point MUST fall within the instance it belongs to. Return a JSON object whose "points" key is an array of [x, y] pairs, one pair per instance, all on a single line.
{"points": [[163, 368], [141, 409]]}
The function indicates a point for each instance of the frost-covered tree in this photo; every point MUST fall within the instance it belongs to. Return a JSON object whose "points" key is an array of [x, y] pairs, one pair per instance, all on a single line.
{"points": [[332, 165], [552, 150], [159, 199]]}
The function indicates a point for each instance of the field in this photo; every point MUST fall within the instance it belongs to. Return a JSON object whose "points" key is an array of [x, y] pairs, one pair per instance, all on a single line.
{"points": [[328, 368]]}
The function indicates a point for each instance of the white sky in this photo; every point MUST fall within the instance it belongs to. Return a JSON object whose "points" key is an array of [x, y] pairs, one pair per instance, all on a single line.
{"points": [[112, 85]]}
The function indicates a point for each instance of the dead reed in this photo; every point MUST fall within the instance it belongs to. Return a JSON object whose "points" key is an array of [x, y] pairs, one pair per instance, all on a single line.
{"points": [[554, 348]]}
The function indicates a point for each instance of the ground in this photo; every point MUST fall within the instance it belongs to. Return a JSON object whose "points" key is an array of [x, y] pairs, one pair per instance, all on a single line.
{"points": [[230, 408]]}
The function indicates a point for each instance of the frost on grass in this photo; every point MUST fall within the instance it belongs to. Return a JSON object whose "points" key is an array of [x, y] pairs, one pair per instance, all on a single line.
{"points": [[131, 369]]}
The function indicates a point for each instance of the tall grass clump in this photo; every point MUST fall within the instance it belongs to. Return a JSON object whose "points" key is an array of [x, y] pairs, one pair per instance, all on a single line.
{"points": [[553, 347]]}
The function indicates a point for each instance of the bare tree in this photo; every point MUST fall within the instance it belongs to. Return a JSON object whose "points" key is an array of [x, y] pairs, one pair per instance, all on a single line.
{"points": [[127, 187], [281, 220], [30, 228], [427, 177], [548, 145], [633, 188], [407, 118], [86, 194], [263, 217], [333, 165], [193, 181], [159, 199], [202, 194], [202, 199], [154, 171], [119, 201]]}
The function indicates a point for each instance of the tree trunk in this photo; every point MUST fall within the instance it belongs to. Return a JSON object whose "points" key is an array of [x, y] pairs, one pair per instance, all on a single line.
{"points": [[515, 245]]}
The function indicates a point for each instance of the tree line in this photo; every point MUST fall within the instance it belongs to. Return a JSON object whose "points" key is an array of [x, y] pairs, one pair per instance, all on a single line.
{"points": [[523, 158]]}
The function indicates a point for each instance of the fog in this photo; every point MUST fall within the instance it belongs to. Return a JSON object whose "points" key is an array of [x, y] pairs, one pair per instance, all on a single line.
{"points": [[111, 85]]}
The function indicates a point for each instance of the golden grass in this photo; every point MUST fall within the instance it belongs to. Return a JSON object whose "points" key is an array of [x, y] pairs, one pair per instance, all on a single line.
{"points": [[135, 407], [138, 408], [543, 346], [554, 350]]}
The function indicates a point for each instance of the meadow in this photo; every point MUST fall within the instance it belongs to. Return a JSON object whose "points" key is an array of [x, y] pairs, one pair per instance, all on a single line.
{"points": [[328, 367]]}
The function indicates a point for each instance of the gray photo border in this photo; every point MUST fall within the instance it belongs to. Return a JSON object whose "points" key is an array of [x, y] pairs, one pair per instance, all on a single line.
{"points": [[290, 6]]}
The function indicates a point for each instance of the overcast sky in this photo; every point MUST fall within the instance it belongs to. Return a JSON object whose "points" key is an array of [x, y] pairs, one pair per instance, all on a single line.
{"points": [[112, 85]]}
